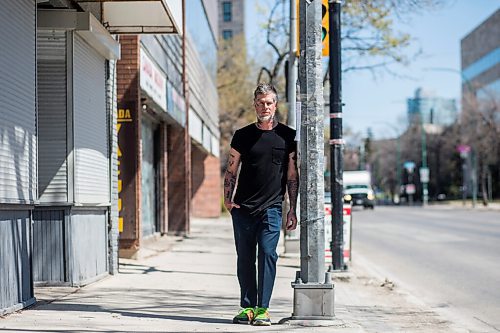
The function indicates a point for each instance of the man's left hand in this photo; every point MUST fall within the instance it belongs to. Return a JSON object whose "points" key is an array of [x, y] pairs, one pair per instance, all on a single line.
{"points": [[291, 220]]}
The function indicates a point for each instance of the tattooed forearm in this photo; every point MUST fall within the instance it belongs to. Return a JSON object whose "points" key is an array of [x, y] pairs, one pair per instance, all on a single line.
{"points": [[293, 191], [230, 176], [293, 180], [229, 185]]}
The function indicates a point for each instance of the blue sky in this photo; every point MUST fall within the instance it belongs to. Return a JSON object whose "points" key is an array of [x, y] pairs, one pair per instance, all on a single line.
{"points": [[375, 102]]}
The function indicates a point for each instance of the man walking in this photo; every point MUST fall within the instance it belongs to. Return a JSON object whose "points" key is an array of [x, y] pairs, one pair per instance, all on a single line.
{"points": [[268, 156]]}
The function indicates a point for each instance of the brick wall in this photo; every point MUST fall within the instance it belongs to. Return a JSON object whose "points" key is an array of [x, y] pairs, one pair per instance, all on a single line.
{"points": [[128, 69], [178, 216], [206, 184]]}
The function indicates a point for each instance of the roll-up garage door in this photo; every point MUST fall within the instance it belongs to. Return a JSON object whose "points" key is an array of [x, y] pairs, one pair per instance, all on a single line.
{"points": [[149, 176], [90, 129], [52, 116], [17, 101]]}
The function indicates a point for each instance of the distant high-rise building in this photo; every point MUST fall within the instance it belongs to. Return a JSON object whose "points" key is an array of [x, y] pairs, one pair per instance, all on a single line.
{"points": [[428, 108], [231, 18], [480, 51]]}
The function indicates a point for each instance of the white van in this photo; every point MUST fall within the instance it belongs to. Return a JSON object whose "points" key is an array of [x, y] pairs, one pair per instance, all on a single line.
{"points": [[358, 189]]}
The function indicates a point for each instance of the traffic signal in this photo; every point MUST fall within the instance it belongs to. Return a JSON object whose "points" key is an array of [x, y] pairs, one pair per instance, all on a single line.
{"points": [[324, 28]]}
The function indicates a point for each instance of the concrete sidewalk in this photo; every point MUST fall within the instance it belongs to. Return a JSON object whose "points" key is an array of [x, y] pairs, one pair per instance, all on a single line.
{"points": [[495, 206], [192, 287]]}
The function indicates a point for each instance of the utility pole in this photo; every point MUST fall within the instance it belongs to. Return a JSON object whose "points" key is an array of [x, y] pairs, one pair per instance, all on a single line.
{"points": [[424, 171], [474, 177], [336, 141], [292, 67], [291, 236], [313, 290], [399, 181], [464, 178]]}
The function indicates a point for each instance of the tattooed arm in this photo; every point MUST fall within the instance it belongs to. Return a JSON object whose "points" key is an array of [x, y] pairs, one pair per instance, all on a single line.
{"points": [[230, 179], [293, 191]]}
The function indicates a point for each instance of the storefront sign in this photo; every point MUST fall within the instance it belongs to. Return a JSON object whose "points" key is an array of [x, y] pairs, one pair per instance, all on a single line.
{"points": [[195, 126], [124, 116], [127, 130], [153, 81], [176, 106]]}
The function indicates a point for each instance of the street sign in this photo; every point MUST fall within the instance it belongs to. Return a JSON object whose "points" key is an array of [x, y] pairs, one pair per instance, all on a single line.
{"points": [[409, 165], [325, 39], [424, 175], [347, 217], [410, 189], [464, 150]]}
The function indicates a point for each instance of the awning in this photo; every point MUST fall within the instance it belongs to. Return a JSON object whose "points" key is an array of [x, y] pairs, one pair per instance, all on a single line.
{"points": [[83, 23], [141, 16]]}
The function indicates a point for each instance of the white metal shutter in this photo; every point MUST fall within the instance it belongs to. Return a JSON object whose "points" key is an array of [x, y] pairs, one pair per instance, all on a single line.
{"points": [[90, 125], [17, 101], [149, 178], [52, 122]]}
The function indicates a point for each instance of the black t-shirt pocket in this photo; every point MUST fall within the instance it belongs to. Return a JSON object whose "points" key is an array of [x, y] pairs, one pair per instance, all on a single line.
{"points": [[278, 155]]}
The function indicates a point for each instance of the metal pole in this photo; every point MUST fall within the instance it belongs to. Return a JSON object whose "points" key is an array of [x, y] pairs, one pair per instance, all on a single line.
{"points": [[464, 179], [312, 234], [313, 296], [474, 178], [187, 136], [425, 192], [292, 66], [398, 165], [336, 141]]}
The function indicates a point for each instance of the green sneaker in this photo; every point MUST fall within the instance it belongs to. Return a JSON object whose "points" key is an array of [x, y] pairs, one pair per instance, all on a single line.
{"points": [[262, 317], [245, 316]]}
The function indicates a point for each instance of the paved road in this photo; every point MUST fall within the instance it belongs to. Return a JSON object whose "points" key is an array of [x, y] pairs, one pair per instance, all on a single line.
{"points": [[448, 258]]}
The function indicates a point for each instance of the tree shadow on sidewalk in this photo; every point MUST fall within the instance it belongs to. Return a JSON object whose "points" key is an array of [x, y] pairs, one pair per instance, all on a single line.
{"points": [[145, 269], [148, 303]]}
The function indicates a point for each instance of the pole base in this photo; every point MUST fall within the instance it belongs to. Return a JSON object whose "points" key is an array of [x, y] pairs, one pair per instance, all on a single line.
{"points": [[313, 322], [313, 301]]}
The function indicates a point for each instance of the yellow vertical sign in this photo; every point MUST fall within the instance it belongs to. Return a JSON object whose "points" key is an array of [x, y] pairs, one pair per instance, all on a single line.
{"points": [[325, 31], [124, 116]]}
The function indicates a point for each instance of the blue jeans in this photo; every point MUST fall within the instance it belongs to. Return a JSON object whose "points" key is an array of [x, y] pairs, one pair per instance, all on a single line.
{"points": [[250, 232]]}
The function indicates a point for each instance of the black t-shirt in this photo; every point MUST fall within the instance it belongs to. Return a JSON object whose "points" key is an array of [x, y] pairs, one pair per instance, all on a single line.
{"points": [[264, 165]]}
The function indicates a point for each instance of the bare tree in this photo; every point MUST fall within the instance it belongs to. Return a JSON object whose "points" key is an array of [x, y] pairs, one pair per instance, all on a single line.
{"points": [[370, 40], [480, 128]]}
